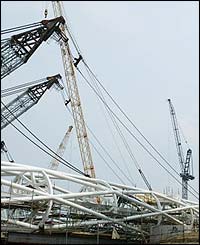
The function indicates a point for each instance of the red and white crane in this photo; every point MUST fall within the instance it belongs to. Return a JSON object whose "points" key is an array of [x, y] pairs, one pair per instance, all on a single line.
{"points": [[77, 112], [61, 149]]}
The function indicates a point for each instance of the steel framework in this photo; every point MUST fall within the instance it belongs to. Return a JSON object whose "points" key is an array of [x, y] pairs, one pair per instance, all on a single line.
{"points": [[26, 100], [77, 112], [17, 50], [35, 199], [184, 164]]}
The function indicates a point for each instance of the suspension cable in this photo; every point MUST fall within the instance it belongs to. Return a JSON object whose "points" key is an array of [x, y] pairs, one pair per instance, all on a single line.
{"points": [[20, 88], [19, 28], [116, 127], [136, 138], [78, 50], [126, 177], [64, 162]]}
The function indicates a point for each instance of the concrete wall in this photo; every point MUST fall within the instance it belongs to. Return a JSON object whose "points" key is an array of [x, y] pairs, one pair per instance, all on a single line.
{"points": [[163, 232]]}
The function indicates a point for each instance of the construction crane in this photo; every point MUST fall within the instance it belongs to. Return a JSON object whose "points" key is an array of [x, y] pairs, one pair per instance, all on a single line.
{"points": [[26, 100], [145, 179], [184, 164], [74, 97], [4, 149], [61, 149], [16, 51]]}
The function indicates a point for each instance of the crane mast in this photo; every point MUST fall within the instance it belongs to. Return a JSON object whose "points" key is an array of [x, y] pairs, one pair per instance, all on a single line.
{"points": [[185, 165], [74, 97]]}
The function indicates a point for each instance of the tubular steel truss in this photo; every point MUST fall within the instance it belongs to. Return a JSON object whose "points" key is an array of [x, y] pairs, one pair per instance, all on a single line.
{"points": [[37, 199]]}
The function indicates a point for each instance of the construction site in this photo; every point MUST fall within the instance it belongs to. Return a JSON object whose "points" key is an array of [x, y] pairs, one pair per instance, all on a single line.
{"points": [[48, 205]]}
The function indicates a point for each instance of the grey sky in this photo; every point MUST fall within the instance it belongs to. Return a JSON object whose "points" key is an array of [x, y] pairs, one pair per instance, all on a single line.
{"points": [[143, 53]]}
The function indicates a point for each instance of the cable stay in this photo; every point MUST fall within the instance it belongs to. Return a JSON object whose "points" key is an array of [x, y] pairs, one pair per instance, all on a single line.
{"points": [[20, 28], [102, 99], [23, 87], [57, 157], [76, 62], [57, 9], [132, 125], [105, 151], [138, 141]]}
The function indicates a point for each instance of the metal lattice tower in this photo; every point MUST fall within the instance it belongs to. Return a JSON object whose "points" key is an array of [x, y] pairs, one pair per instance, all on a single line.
{"points": [[16, 50], [185, 165], [74, 97], [26, 100]]}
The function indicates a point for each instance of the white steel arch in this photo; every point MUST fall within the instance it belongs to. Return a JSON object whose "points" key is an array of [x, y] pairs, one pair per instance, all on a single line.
{"points": [[31, 199]]}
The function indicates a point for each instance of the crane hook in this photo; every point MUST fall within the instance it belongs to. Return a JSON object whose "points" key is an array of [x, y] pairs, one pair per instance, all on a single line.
{"points": [[45, 13]]}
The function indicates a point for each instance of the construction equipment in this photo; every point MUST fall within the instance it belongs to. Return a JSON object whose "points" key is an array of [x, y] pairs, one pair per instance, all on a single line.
{"points": [[16, 51], [145, 179], [26, 100], [4, 149], [184, 164], [74, 97], [61, 149]]}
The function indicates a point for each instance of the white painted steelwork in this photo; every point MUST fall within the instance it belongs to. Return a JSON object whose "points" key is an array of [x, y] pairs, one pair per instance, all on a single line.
{"points": [[32, 199]]}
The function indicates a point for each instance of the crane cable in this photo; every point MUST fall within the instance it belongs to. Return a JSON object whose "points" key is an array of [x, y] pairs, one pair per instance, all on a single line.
{"points": [[134, 124], [64, 162], [126, 177], [19, 28], [78, 50], [112, 118], [117, 129], [20, 88], [138, 167], [136, 137], [108, 165]]}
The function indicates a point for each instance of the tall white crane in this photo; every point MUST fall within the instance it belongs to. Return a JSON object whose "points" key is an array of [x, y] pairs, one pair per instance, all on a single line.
{"points": [[74, 97], [184, 164], [61, 149]]}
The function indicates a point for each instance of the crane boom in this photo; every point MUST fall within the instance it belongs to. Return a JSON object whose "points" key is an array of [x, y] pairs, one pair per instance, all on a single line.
{"points": [[185, 165], [176, 134], [74, 97], [61, 149], [26, 100], [145, 179], [16, 50]]}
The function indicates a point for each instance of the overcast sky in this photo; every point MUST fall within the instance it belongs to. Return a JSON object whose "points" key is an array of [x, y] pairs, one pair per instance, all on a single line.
{"points": [[143, 53]]}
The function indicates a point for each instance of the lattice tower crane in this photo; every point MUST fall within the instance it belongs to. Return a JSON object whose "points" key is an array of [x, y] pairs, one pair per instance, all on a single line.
{"points": [[16, 50], [26, 100], [61, 149], [74, 97], [184, 164]]}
